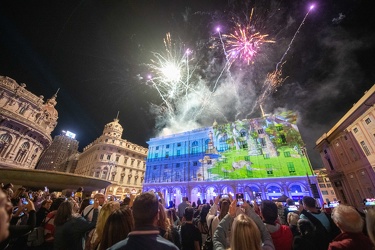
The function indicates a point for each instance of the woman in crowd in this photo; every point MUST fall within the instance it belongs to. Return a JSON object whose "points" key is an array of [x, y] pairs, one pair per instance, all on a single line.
{"points": [[306, 239], [173, 218], [292, 219], [104, 213], [71, 227], [212, 218], [166, 228], [49, 226], [247, 231], [43, 211], [20, 193], [117, 227]]}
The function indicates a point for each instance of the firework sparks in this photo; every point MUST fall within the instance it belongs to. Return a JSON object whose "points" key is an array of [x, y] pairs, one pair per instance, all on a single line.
{"points": [[244, 42]]}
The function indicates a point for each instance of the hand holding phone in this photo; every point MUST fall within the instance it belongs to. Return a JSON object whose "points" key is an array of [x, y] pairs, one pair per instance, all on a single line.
{"points": [[239, 199]]}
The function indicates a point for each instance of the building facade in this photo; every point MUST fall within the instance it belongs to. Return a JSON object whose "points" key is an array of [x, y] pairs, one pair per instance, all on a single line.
{"points": [[58, 153], [325, 186], [26, 123], [114, 159], [348, 152], [262, 158]]}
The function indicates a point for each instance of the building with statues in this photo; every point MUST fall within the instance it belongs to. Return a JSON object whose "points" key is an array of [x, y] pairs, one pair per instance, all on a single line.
{"points": [[114, 159], [26, 123], [263, 158]]}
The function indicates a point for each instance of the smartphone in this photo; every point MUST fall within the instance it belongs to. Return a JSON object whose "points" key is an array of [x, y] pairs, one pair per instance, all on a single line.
{"points": [[30, 196], [292, 208], [24, 201], [239, 198], [91, 201], [224, 196]]}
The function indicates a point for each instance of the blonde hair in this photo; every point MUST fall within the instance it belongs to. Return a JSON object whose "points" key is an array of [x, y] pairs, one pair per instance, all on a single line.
{"points": [[370, 223], [245, 234], [104, 213], [292, 218]]}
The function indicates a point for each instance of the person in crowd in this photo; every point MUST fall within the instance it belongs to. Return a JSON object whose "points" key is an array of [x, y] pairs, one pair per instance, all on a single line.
{"points": [[201, 223], [280, 212], [79, 194], [247, 231], [171, 205], [88, 211], [43, 211], [17, 238], [350, 223], [292, 220], [167, 230], [181, 207], [282, 236], [126, 202], [199, 202], [370, 224], [289, 202], [18, 195], [85, 202], [193, 205], [5, 206], [213, 219], [71, 227], [325, 228], [8, 190], [49, 226], [104, 213], [117, 227], [191, 238], [306, 240], [211, 202], [146, 234], [172, 216]]}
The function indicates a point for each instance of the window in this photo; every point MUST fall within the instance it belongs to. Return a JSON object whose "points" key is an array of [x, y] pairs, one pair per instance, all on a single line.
{"points": [[167, 146], [178, 152], [266, 156], [157, 148], [322, 185], [179, 144], [154, 167], [269, 169], [177, 165], [365, 148], [329, 185], [195, 163], [117, 158], [355, 130], [194, 147], [332, 192], [108, 157], [287, 154], [279, 128], [291, 168], [101, 157], [325, 192], [166, 154], [247, 158], [368, 120], [156, 155]]}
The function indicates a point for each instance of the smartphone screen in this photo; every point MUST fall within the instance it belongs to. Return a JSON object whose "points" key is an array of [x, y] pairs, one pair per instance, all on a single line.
{"points": [[24, 201], [224, 196], [91, 201], [30, 196], [239, 198]]}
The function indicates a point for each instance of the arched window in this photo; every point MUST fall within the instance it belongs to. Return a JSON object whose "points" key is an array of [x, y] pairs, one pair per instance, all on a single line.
{"points": [[295, 189], [22, 151], [273, 189], [5, 140], [206, 144]]}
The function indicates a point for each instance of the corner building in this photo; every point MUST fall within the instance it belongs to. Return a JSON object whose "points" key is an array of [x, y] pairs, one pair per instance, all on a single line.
{"points": [[26, 123], [348, 152], [262, 158], [114, 159]]}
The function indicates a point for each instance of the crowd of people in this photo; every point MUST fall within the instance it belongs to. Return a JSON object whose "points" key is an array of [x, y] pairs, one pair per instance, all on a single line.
{"points": [[144, 221]]}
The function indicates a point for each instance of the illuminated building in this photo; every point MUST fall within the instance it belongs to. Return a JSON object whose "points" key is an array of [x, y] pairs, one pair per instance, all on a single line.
{"points": [[114, 159], [263, 158], [57, 155], [26, 123], [348, 152], [325, 185]]}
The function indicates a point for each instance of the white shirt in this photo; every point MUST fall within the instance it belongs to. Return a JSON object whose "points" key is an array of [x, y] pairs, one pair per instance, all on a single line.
{"points": [[90, 213]]}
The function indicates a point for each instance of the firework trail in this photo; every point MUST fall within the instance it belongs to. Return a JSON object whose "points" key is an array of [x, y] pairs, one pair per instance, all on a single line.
{"points": [[275, 79]]}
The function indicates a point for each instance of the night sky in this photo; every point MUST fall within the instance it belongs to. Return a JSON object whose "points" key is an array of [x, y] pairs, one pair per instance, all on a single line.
{"points": [[96, 53]]}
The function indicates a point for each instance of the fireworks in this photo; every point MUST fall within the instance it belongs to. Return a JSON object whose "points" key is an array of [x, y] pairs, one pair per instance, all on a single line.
{"points": [[244, 43]]}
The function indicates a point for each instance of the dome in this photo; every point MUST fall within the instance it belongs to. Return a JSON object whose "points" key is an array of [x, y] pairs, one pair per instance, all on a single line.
{"points": [[113, 129]]}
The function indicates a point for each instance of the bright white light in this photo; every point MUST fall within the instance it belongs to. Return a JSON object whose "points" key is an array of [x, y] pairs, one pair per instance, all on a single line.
{"points": [[171, 72]]}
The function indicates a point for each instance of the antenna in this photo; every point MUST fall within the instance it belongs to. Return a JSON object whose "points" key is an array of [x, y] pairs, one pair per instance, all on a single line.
{"points": [[57, 91], [118, 112]]}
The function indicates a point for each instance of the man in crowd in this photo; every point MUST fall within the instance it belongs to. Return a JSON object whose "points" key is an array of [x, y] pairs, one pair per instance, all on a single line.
{"points": [[181, 207], [89, 210], [146, 234], [191, 237], [350, 222]]}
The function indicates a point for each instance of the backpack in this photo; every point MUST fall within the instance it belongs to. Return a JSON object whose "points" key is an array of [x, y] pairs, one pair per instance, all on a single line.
{"points": [[36, 236]]}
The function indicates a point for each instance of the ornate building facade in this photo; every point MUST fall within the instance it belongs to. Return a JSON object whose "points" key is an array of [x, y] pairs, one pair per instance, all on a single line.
{"points": [[26, 123], [262, 158], [325, 185], [114, 159], [348, 152]]}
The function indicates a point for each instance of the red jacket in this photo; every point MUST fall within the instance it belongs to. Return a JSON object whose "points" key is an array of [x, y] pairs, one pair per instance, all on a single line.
{"points": [[351, 241], [283, 238]]}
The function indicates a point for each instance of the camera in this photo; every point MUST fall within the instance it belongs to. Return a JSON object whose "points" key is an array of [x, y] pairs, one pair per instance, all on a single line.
{"points": [[239, 198]]}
